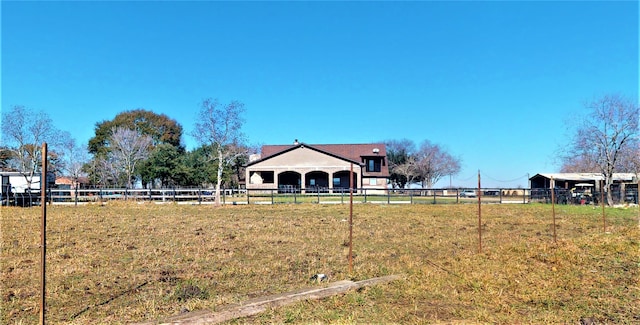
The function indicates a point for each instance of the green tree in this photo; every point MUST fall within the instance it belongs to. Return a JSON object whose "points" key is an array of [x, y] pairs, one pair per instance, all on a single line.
{"points": [[159, 127], [198, 168], [5, 157], [401, 168], [165, 164]]}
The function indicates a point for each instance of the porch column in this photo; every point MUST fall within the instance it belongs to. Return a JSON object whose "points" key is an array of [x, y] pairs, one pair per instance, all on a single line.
{"points": [[330, 182]]}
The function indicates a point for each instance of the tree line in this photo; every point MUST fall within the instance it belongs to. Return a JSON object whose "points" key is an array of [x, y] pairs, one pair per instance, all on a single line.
{"points": [[142, 147], [136, 146]]}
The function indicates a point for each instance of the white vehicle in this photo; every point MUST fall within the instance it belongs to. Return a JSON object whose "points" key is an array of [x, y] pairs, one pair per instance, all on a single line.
{"points": [[468, 193]]}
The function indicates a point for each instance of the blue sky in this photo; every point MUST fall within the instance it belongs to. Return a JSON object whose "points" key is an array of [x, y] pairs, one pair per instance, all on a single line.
{"points": [[495, 83]]}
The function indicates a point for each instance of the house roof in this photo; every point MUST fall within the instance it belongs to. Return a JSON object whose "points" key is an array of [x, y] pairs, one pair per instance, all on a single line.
{"points": [[585, 176], [353, 152], [68, 180], [350, 152]]}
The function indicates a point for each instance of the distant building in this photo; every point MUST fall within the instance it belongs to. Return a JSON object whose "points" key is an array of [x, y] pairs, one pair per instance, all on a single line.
{"points": [[570, 180], [624, 187], [304, 167], [69, 183]]}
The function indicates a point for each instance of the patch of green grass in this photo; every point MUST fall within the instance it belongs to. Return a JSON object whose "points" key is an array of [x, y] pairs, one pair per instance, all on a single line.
{"points": [[128, 262]]}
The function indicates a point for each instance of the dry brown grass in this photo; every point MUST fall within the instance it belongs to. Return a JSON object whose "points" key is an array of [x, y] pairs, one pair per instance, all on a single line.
{"points": [[124, 263]]}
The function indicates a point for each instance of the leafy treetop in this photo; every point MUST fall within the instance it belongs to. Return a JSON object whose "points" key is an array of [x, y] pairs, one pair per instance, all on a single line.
{"points": [[159, 127]]}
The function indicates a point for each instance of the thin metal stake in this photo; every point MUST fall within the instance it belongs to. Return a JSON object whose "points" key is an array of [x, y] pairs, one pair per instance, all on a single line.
{"points": [[604, 221], [479, 216], [351, 219], [553, 209], [43, 232]]}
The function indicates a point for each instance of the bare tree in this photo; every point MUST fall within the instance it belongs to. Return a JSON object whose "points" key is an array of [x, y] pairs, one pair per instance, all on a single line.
{"points": [[630, 159], [407, 171], [73, 157], [433, 162], [219, 126], [579, 164], [606, 135], [401, 166], [105, 171], [24, 131], [127, 149]]}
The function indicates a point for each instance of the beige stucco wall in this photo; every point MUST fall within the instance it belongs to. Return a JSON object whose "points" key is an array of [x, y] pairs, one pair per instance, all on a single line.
{"points": [[303, 161]]}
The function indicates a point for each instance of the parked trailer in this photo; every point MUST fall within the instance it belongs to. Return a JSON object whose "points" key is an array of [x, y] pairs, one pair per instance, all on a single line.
{"points": [[15, 188]]}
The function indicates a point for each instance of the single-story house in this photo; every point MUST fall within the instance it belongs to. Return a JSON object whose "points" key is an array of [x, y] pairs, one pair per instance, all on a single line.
{"points": [[64, 182], [302, 167]]}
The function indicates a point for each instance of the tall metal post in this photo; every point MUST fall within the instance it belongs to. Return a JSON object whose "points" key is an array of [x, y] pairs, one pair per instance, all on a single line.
{"points": [[553, 209], [43, 231], [604, 220], [479, 216], [351, 219]]}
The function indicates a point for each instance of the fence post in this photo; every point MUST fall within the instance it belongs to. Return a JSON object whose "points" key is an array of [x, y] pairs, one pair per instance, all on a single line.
{"points": [[318, 196], [224, 196], [388, 197], [43, 233], [271, 196], [604, 220], [351, 219], [479, 217], [410, 196], [524, 196], [553, 210]]}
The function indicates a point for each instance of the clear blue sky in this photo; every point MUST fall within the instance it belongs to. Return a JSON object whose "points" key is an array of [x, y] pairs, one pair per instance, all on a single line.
{"points": [[493, 82]]}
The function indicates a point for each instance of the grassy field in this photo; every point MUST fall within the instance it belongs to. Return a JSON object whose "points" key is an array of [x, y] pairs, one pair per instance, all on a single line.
{"points": [[128, 262]]}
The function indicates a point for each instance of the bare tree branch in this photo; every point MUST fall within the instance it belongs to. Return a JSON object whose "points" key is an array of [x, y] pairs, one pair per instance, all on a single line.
{"points": [[24, 131], [220, 127], [128, 148], [606, 140], [433, 163]]}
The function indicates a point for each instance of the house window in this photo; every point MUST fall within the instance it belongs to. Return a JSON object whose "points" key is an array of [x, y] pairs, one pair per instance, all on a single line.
{"points": [[267, 177], [336, 181], [373, 165]]}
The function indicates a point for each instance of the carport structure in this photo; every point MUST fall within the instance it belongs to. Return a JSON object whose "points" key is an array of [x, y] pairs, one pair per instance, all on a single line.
{"points": [[624, 187]]}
